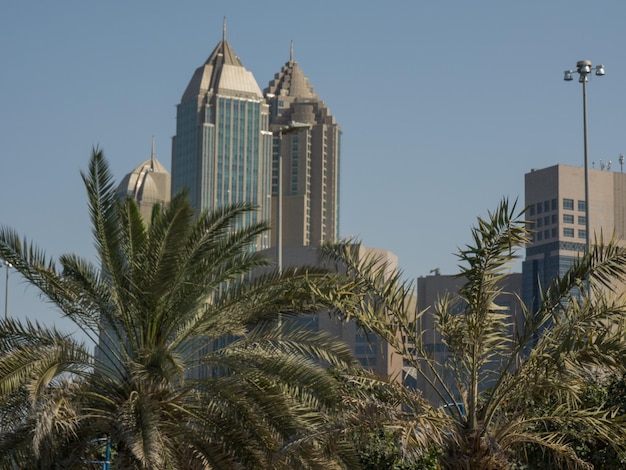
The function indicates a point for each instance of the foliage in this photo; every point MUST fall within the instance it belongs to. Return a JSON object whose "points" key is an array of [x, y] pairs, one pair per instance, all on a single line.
{"points": [[193, 368], [608, 393], [495, 377], [381, 450], [379, 415]]}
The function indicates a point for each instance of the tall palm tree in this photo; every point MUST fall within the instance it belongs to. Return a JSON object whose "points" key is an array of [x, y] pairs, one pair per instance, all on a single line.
{"points": [[193, 368], [540, 371]]}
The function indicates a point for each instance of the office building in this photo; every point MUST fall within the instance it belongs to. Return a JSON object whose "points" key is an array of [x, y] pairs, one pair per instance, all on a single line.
{"points": [[372, 352], [308, 139], [432, 288], [555, 201], [229, 141], [221, 153]]}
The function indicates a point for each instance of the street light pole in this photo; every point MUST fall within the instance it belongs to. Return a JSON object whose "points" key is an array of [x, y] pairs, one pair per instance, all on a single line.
{"points": [[583, 68], [6, 291], [587, 233], [279, 241]]}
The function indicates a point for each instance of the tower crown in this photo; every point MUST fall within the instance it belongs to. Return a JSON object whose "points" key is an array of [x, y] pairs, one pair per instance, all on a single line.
{"points": [[292, 82], [222, 73]]}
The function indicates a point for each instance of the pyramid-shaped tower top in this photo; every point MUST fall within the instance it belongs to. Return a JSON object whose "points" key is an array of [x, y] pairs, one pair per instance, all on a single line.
{"points": [[291, 81], [222, 73]]}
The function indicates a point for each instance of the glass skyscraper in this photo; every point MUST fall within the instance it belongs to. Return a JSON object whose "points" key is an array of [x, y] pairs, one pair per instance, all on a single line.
{"points": [[221, 152]]}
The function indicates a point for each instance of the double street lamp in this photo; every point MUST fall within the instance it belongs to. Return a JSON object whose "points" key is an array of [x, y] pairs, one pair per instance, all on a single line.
{"points": [[583, 69]]}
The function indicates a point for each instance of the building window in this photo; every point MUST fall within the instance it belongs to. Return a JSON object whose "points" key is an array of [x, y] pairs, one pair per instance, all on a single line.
{"points": [[555, 218], [546, 206], [582, 206], [555, 233], [539, 208], [367, 361], [568, 232], [539, 236], [546, 220], [539, 222], [360, 338], [568, 219], [554, 204], [546, 234], [582, 220], [568, 204], [582, 234]]}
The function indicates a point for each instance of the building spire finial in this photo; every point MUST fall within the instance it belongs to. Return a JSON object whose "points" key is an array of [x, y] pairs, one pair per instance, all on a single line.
{"points": [[152, 155], [291, 52], [224, 30]]}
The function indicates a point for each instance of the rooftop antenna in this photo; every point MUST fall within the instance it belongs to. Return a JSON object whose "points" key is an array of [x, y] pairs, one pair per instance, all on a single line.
{"points": [[291, 52], [621, 163], [224, 30]]}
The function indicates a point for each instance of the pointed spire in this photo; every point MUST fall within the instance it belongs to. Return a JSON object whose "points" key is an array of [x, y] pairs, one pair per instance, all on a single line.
{"points": [[224, 30], [152, 156], [291, 52]]}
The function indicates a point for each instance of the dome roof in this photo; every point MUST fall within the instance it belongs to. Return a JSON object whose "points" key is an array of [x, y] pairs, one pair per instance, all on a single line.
{"points": [[147, 183]]}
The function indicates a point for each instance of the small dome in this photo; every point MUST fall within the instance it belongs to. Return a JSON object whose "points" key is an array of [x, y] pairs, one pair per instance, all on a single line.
{"points": [[148, 184]]}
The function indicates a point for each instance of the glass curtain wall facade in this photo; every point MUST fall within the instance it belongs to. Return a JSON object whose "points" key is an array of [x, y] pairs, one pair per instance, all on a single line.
{"points": [[221, 153]]}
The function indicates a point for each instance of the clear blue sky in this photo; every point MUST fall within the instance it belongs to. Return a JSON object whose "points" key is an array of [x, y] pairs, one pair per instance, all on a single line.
{"points": [[444, 106]]}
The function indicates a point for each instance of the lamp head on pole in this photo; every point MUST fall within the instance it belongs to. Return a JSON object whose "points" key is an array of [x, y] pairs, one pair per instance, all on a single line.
{"points": [[583, 66], [583, 69]]}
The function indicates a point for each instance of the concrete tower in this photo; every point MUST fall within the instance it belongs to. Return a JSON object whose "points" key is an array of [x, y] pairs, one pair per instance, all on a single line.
{"points": [[221, 152], [310, 160]]}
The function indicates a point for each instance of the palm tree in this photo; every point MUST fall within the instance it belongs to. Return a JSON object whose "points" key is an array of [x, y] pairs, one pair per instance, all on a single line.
{"points": [[540, 371], [193, 368]]}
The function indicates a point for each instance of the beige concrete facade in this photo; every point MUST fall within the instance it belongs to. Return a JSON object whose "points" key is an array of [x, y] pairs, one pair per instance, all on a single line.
{"points": [[430, 289], [555, 198], [548, 191], [369, 350], [310, 161]]}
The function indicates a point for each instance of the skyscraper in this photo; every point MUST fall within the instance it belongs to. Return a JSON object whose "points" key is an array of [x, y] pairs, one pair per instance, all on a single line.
{"points": [[555, 198], [310, 160], [221, 152]]}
